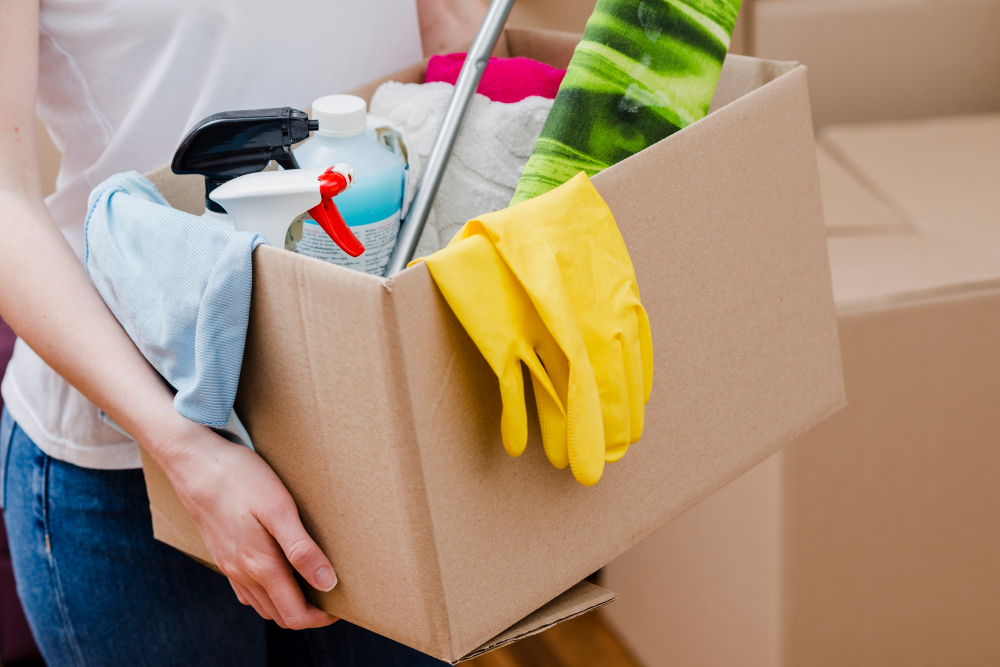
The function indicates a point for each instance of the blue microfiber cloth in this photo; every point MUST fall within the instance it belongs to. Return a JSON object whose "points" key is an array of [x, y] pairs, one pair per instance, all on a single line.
{"points": [[180, 286]]}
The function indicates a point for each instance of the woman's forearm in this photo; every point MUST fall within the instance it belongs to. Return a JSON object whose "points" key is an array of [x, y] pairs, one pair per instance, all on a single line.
{"points": [[448, 24], [49, 301], [45, 293]]}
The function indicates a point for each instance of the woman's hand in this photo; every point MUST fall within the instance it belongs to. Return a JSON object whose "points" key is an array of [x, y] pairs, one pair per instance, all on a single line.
{"points": [[249, 522], [447, 24]]}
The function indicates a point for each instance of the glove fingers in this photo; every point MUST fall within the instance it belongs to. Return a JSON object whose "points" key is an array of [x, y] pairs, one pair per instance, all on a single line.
{"points": [[646, 348], [552, 421], [551, 407], [632, 359], [612, 383], [514, 418], [584, 431]]}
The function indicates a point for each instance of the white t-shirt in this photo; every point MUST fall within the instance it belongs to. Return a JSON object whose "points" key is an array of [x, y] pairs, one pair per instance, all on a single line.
{"points": [[120, 84]]}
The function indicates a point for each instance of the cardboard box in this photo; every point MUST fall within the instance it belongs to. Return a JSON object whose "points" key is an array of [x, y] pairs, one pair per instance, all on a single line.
{"points": [[873, 539], [566, 15], [872, 60], [375, 408]]}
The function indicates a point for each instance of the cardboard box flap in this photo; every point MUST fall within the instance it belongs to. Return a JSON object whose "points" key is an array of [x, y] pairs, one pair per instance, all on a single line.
{"points": [[850, 208], [943, 173], [943, 177], [742, 75], [548, 46], [580, 599]]}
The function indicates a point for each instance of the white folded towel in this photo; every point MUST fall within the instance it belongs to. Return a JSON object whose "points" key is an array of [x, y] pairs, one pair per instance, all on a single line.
{"points": [[492, 148]]}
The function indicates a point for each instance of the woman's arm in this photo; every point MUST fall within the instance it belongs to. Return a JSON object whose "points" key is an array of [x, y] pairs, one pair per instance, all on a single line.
{"points": [[447, 24], [248, 520]]}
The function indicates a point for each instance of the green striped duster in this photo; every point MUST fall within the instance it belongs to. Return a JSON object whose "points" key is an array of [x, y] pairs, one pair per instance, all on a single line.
{"points": [[644, 69]]}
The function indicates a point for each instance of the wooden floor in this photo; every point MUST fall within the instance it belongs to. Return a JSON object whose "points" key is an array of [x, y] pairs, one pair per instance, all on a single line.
{"points": [[582, 642]]}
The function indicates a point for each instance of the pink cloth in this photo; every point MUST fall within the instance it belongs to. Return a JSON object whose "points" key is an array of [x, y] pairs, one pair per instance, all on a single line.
{"points": [[505, 80]]}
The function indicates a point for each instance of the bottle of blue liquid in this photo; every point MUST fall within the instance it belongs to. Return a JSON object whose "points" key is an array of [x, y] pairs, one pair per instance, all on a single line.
{"points": [[373, 205]]}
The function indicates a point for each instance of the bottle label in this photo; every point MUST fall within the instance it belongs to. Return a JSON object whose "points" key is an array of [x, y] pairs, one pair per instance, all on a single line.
{"points": [[377, 237]]}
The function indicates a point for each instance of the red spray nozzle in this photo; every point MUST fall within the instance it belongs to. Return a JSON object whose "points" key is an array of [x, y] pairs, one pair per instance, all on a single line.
{"points": [[333, 181]]}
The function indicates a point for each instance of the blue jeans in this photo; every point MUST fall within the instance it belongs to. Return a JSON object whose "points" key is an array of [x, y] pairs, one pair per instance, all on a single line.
{"points": [[99, 590]]}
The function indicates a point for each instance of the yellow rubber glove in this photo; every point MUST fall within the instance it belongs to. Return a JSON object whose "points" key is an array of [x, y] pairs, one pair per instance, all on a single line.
{"points": [[501, 319], [551, 277]]}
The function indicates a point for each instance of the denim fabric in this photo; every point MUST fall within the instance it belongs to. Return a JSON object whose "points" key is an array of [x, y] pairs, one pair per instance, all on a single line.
{"points": [[180, 286], [99, 590], [6, 433]]}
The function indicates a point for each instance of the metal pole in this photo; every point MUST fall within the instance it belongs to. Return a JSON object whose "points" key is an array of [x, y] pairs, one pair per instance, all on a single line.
{"points": [[437, 161]]}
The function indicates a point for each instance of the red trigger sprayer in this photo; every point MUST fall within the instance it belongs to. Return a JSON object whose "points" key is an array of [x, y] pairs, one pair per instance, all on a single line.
{"points": [[266, 203], [327, 215]]}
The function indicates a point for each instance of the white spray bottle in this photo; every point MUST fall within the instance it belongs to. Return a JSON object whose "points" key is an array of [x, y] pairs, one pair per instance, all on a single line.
{"points": [[267, 203]]}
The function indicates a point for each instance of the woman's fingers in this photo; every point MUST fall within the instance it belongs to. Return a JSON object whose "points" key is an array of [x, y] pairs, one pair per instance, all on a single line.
{"points": [[276, 596], [283, 522], [286, 596], [247, 598], [265, 606], [240, 595], [252, 529], [270, 577]]}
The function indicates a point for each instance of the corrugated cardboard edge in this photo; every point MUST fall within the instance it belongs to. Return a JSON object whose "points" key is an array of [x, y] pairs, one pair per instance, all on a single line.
{"points": [[417, 489], [579, 600]]}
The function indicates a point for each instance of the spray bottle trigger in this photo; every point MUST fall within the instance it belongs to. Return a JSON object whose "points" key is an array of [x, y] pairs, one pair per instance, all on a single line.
{"points": [[328, 217], [332, 182]]}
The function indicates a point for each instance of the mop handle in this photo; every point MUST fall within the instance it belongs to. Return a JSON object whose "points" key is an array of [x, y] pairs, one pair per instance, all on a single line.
{"points": [[437, 161]]}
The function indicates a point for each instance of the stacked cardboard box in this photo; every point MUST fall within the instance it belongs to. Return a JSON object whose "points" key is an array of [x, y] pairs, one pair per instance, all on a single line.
{"points": [[873, 60], [872, 540]]}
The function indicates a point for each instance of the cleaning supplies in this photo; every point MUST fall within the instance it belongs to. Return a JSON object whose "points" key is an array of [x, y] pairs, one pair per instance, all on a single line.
{"points": [[486, 161], [373, 207], [180, 287], [230, 144], [549, 283], [267, 202], [505, 79], [644, 69]]}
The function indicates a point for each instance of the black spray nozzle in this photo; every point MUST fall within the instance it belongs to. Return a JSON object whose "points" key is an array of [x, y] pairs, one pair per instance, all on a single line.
{"points": [[233, 143]]}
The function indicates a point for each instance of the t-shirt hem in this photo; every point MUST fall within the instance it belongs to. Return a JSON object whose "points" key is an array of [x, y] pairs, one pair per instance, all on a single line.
{"points": [[111, 456]]}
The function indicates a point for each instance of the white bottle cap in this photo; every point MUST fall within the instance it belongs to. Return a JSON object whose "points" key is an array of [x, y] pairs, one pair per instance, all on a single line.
{"points": [[340, 115]]}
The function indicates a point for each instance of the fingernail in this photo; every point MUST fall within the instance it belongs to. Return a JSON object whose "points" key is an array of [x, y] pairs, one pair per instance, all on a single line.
{"points": [[325, 579]]}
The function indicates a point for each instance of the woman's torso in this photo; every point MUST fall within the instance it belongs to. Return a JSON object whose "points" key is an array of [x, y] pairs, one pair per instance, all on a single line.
{"points": [[120, 83]]}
